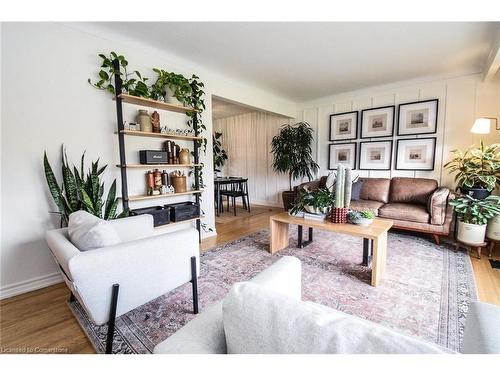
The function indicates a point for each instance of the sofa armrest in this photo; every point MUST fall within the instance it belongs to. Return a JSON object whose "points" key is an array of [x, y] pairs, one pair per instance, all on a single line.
{"points": [[437, 205], [145, 269], [482, 333], [205, 333]]}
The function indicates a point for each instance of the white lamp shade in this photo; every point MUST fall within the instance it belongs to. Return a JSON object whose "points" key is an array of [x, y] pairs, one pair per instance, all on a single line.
{"points": [[481, 126]]}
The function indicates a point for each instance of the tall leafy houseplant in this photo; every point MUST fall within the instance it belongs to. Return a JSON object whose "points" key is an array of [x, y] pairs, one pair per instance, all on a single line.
{"points": [[220, 155], [477, 169], [80, 191], [293, 155]]}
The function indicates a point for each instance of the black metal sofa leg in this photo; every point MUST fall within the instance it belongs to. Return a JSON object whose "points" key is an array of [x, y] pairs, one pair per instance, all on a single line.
{"points": [[112, 318], [194, 281]]}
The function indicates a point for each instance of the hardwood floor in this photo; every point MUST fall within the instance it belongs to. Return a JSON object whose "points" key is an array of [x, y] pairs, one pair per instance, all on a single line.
{"points": [[41, 322]]}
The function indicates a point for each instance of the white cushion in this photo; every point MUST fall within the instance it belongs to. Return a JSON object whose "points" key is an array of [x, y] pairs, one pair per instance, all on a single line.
{"points": [[88, 232], [257, 320], [330, 181]]}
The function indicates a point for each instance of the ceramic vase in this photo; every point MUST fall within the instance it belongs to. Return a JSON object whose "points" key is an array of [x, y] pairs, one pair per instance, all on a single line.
{"points": [[144, 121]]}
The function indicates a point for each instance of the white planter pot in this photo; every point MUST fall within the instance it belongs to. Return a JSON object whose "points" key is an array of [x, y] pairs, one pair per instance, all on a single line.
{"points": [[471, 234], [317, 211], [493, 231], [170, 98]]}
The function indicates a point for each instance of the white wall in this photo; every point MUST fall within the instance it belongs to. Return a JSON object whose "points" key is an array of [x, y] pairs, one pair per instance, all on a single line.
{"points": [[47, 101], [247, 141], [461, 100]]}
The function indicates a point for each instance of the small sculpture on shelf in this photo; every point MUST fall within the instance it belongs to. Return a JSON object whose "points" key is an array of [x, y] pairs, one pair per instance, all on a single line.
{"points": [[155, 122]]}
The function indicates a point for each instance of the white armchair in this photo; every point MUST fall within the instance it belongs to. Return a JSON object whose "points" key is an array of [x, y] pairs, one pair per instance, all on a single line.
{"points": [[143, 266]]}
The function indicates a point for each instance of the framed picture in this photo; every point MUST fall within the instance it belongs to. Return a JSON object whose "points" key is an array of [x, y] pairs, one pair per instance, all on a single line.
{"points": [[375, 155], [415, 154], [342, 153], [418, 117], [344, 126], [377, 122]]}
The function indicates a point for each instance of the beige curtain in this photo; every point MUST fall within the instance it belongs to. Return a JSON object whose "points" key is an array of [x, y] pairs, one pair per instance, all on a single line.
{"points": [[247, 141]]}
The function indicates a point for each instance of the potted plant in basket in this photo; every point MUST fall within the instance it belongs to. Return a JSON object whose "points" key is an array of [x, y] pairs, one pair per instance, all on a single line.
{"points": [[477, 169], [317, 202], [473, 215], [293, 155]]}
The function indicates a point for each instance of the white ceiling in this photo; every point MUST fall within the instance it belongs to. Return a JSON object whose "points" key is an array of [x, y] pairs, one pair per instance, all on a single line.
{"points": [[303, 61], [222, 108]]}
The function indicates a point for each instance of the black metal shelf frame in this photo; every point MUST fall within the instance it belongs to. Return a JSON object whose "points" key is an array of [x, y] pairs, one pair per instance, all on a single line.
{"points": [[121, 145]]}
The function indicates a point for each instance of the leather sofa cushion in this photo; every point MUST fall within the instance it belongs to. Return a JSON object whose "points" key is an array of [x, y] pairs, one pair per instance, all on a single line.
{"points": [[375, 189], [362, 205], [412, 190], [405, 211]]}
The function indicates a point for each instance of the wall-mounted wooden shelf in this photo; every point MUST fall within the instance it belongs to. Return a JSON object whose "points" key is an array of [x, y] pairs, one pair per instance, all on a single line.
{"points": [[179, 222], [138, 133], [134, 198], [126, 98], [152, 166]]}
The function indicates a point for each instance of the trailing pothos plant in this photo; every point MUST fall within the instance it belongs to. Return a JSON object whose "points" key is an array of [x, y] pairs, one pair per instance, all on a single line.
{"points": [[133, 83], [80, 191]]}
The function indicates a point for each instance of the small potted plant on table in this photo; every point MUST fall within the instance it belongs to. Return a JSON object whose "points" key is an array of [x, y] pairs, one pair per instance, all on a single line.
{"points": [[473, 215], [317, 202], [365, 217]]}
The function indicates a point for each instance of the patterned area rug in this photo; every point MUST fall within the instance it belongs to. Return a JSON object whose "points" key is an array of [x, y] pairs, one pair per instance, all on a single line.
{"points": [[425, 292]]}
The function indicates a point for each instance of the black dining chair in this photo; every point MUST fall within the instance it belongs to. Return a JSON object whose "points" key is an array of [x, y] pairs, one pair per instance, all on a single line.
{"points": [[238, 188]]}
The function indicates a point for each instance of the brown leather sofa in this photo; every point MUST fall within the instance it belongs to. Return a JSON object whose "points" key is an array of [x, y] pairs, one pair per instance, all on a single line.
{"points": [[415, 204]]}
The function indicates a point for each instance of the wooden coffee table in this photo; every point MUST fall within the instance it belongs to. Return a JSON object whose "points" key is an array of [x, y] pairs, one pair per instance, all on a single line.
{"points": [[374, 238]]}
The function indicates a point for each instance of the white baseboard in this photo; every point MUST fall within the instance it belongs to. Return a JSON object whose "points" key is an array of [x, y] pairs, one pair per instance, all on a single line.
{"points": [[15, 289]]}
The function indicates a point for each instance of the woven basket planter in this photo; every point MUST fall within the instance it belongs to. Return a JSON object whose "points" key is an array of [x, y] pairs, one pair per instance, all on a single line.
{"points": [[339, 215]]}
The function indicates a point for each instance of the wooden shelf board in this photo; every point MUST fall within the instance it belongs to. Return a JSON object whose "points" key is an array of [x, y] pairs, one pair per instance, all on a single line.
{"points": [[134, 198], [178, 222], [151, 166], [126, 98], [138, 133]]}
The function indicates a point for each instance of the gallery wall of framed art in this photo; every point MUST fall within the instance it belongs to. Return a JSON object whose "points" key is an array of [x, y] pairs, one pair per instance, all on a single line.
{"points": [[372, 148]]}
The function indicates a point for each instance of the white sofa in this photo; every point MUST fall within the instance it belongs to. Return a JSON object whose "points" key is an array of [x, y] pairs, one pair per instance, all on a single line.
{"points": [[266, 315], [143, 266]]}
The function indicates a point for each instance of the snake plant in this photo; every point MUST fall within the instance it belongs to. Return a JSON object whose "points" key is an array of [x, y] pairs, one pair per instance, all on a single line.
{"points": [[79, 191]]}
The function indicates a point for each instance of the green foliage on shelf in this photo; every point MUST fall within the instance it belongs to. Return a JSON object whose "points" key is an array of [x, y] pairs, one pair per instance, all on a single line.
{"points": [[476, 211], [132, 83], [292, 151], [79, 191], [477, 167]]}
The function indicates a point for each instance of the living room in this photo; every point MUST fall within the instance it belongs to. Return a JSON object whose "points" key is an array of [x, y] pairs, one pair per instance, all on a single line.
{"points": [[171, 176]]}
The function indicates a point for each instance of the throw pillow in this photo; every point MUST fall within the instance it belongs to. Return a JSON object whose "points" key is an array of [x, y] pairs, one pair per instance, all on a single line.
{"points": [[330, 181], [88, 232], [257, 320], [356, 190]]}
